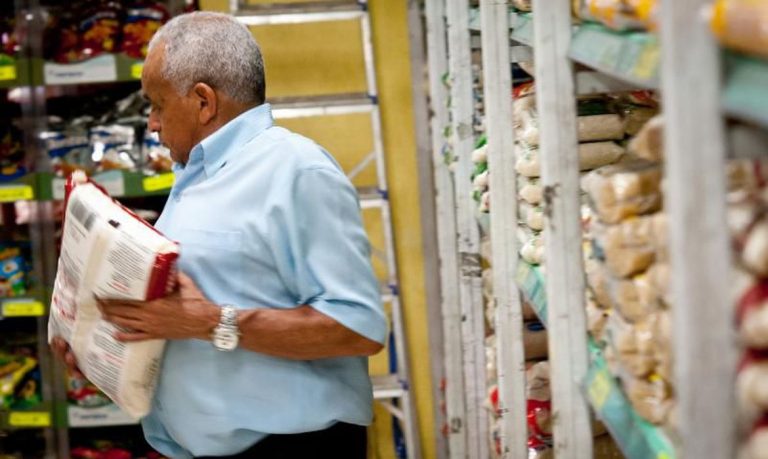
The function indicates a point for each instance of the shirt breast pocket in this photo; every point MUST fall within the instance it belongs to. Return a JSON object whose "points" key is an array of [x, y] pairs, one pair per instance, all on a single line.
{"points": [[215, 260]]}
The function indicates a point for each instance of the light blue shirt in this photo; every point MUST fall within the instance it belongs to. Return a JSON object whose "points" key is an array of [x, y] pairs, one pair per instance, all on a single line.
{"points": [[265, 219]]}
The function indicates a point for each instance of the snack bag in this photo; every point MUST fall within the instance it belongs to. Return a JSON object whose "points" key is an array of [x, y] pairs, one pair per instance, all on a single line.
{"points": [[100, 31], [740, 24], [142, 20], [109, 252]]}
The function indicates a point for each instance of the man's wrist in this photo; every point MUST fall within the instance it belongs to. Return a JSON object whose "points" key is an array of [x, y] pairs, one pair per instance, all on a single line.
{"points": [[210, 315]]}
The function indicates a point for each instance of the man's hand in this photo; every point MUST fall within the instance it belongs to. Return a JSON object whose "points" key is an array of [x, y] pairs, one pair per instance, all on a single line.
{"points": [[62, 350], [185, 314]]}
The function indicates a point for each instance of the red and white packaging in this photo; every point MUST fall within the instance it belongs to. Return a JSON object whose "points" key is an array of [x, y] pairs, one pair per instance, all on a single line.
{"points": [[109, 252]]}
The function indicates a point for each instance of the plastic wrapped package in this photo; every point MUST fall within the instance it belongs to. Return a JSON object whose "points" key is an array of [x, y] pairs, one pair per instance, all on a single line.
{"points": [[110, 252], [532, 249], [660, 277], [636, 117], [530, 190], [485, 202], [624, 190], [597, 281], [597, 318], [591, 128], [740, 25], [754, 255], [752, 316], [756, 444], [591, 156], [660, 240], [532, 217], [634, 298], [528, 67], [621, 14], [752, 386], [632, 345], [627, 246], [523, 107], [649, 142], [539, 410], [651, 397], [662, 344], [748, 175], [534, 340]]}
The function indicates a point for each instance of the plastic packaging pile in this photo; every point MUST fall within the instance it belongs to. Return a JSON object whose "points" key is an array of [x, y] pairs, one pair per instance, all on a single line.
{"points": [[627, 267], [113, 137]]}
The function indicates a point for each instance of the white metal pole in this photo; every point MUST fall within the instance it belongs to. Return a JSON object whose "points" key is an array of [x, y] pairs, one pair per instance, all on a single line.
{"points": [[470, 283], [437, 59], [704, 339], [494, 19], [555, 96]]}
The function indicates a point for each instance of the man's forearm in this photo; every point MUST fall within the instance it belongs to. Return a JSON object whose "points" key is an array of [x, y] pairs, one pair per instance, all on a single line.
{"points": [[300, 333]]}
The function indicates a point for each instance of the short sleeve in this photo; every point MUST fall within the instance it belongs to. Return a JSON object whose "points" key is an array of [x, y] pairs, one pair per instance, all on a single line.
{"points": [[327, 259]]}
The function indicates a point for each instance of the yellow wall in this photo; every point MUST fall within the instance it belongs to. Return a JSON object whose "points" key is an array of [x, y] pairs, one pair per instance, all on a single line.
{"points": [[326, 58]]}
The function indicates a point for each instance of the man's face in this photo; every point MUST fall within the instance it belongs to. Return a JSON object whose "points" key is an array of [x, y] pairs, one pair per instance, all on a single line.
{"points": [[173, 116]]}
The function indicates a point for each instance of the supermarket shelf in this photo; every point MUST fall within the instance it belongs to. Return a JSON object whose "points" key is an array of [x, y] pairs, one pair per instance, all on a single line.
{"points": [[530, 281], [637, 438], [474, 18], [103, 416], [119, 184], [746, 90], [630, 57], [296, 13], [34, 418], [387, 386], [334, 104], [522, 29]]}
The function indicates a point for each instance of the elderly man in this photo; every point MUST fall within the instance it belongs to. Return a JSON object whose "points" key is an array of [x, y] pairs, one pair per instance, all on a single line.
{"points": [[278, 305]]}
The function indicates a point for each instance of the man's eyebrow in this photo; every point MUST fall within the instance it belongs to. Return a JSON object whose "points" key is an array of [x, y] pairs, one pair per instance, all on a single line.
{"points": [[145, 96]]}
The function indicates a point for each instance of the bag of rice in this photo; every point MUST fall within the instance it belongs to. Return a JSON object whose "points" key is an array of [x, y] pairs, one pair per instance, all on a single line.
{"points": [[109, 252]]}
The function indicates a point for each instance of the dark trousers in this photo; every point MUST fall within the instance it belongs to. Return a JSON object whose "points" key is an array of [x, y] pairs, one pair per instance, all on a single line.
{"points": [[340, 441]]}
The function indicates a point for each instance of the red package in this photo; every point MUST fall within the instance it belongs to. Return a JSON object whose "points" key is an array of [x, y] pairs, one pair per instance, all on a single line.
{"points": [[100, 31], [143, 19]]}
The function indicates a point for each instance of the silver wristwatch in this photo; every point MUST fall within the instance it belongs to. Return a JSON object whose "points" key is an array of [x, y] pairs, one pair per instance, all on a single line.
{"points": [[226, 335]]}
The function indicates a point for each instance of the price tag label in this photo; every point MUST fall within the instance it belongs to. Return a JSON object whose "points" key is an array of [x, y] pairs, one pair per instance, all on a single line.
{"points": [[7, 72], [599, 389], [26, 308], [136, 70], [663, 455], [158, 182], [13, 193], [647, 62], [29, 419]]}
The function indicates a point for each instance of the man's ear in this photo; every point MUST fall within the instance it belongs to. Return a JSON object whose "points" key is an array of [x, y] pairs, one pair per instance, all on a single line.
{"points": [[206, 101]]}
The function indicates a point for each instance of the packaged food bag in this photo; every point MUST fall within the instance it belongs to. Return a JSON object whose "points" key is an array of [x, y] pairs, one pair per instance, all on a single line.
{"points": [[109, 252], [740, 25], [624, 190]]}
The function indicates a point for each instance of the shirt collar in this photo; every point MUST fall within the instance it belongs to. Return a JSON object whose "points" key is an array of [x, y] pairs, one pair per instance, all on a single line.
{"points": [[214, 149]]}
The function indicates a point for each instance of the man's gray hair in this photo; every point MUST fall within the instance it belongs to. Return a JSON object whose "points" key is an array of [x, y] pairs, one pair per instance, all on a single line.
{"points": [[212, 48]]}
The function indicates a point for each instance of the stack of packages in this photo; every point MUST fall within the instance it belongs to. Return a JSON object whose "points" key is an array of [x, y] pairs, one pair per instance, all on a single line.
{"points": [[601, 123], [618, 14], [626, 261], [748, 224], [539, 412], [535, 344], [741, 25], [114, 139]]}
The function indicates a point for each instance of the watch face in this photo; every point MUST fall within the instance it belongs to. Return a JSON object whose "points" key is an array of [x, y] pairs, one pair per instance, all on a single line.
{"points": [[225, 339]]}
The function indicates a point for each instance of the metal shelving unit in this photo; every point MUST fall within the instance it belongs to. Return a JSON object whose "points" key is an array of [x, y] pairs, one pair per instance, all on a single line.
{"points": [[587, 59]]}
